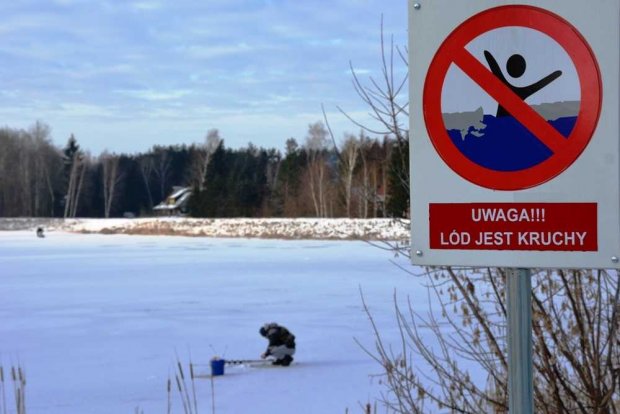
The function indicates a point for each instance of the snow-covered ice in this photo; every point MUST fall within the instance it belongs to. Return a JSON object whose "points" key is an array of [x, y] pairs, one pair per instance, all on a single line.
{"points": [[96, 320]]}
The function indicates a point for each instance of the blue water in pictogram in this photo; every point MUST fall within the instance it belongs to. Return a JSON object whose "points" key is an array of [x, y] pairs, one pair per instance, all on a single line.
{"points": [[506, 145]]}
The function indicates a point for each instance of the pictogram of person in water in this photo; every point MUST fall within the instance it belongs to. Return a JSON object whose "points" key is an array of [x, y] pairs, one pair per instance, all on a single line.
{"points": [[515, 66]]}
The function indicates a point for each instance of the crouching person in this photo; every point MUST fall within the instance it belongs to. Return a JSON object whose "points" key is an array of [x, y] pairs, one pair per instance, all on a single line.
{"points": [[281, 344]]}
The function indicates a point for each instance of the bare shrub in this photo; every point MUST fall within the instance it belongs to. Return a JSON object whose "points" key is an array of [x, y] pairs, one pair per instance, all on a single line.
{"points": [[454, 357]]}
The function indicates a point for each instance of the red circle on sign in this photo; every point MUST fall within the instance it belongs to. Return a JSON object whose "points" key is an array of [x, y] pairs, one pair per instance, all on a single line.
{"points": [[564, 153]]}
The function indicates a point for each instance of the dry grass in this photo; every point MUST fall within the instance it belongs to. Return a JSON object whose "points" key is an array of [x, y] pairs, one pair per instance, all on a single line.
{"points": [[284, 229], [185, 386], [18, 380]]}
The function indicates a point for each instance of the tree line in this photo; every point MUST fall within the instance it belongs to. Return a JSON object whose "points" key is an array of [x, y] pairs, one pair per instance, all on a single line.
{"points": [[359, 176]]}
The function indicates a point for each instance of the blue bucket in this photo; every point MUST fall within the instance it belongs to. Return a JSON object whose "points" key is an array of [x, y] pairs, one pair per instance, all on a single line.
{"points": [[217, 367]]}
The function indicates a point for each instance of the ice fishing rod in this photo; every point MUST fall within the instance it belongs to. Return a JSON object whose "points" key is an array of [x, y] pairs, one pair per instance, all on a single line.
{"points": [[244, 361], [236, 361], [217, 364]]}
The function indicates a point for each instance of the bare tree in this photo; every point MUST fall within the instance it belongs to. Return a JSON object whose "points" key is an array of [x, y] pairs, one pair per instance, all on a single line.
{"points": [[79, 173], [201, 158], [385, 96], [161, 169], [387, 100], [316, 145], [29, 171], [146, 170], [212, 142], [374, 162], [27, 181], [71, 189], [46, 169], [350, 150], [111, 179], [74, 160]]}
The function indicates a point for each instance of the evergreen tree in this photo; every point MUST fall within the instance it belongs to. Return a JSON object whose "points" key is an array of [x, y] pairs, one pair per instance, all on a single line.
{"points": [[235, 184], [285, 198], [397, 203]]}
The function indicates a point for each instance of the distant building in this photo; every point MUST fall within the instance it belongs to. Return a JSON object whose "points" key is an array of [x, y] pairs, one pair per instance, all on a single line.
{"points": [[176, 204]]}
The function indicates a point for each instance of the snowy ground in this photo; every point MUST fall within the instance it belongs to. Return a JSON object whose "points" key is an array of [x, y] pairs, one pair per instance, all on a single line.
{"points": [[96, 319], [281, 228]]}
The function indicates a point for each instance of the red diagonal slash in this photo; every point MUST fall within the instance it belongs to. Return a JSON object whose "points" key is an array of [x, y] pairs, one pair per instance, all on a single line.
{"points": [[522, 112]]}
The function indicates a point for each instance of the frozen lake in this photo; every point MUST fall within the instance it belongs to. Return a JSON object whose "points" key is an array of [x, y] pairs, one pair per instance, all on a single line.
{"points": [[96, 320]]}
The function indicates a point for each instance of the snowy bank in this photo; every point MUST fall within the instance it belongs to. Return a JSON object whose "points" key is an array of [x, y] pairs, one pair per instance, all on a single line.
{"points": [[270, 228]]}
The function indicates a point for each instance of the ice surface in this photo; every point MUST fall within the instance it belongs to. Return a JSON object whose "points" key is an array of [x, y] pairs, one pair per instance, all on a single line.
{"points": [[96, 320]]}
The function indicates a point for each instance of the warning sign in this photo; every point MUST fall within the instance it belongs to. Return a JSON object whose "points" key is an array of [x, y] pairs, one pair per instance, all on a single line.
{"points": [[514, 226], [511, 144], [514, 133]]}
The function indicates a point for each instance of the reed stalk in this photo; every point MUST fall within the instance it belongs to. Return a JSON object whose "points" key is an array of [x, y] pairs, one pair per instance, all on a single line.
{"points": [[185, 408], [191, 371], [212, 395], [169, 389], [3, 391]]}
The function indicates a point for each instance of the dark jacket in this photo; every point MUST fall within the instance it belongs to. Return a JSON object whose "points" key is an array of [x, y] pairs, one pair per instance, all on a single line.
{"points": [[277, 336]]}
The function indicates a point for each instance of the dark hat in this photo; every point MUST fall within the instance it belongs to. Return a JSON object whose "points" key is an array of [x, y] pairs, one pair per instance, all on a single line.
{"points": [[266, 327]]}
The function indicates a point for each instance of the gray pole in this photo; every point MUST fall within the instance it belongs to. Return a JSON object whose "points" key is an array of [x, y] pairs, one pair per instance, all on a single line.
{"points": [[520, 383]]}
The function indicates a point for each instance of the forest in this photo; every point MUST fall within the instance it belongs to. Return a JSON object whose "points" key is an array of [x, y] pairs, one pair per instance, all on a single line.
{"points": [[357, 176]]}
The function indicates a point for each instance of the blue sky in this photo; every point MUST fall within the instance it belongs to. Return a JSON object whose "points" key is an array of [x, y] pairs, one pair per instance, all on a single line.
{"points": [[124, 75]]}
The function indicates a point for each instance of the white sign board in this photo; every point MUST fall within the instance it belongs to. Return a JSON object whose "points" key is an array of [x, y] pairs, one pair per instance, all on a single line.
{"points": [[514, 134]]}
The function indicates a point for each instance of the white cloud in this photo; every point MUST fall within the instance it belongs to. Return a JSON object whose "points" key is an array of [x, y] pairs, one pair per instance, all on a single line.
{"points": [[155, 95], [210, 52], [82, 110], [147, 5], [166, 71], [69, 2]]}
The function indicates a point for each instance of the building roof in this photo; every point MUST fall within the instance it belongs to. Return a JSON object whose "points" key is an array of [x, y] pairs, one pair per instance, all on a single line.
{"points": [[175, 200]]}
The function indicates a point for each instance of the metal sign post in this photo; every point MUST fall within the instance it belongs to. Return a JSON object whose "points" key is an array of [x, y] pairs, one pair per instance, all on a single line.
{"points": [[519, 338]]}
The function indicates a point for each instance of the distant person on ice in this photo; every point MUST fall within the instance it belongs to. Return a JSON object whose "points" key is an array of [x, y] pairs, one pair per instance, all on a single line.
{"points": [[40, 232], [281, 344]]}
